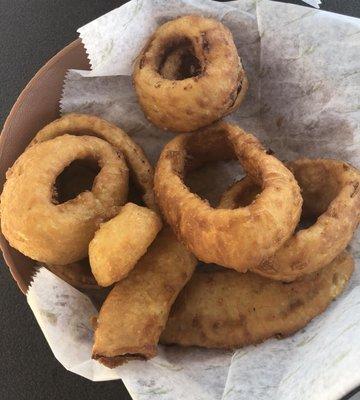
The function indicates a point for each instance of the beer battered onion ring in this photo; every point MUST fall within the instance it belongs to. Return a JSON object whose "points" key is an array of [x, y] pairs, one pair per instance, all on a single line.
{"points": [[224, 309], [331, 193], [140, 169], [203, 82], [240, 239], [53, 233]]}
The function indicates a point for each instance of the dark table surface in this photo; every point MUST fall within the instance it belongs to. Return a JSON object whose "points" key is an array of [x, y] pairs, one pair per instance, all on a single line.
{"points": [[32, 31]]}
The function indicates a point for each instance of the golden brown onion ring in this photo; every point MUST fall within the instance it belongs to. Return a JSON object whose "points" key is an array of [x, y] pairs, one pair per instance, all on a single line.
{"points": [[241, 238], [331, 193], [75, 179], [203, 82], [225, 309], [78, 177], [82, 124], [53, 233], [121, 242], [135, 312]]}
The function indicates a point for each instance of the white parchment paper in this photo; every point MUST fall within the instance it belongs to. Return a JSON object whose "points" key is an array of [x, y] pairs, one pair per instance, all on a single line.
{"points": [[314, 3], [304, 100]]}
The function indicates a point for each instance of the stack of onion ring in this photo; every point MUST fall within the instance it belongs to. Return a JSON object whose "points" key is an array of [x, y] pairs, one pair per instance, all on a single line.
{"points": [[331, 193], [140, 169], [59, 234], [189, 74], [53, 233], [242, 238]]}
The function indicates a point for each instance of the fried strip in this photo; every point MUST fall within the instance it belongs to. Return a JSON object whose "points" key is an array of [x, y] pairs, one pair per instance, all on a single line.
{"points": [[135, 312], [121, 242], [227, 309]]}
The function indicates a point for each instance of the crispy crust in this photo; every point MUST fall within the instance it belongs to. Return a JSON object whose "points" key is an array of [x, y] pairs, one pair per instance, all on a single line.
{"points": [[113, 362], [82, 124], [135, 312], [227, 310], [76, 274], [215, 89], [121, 242], [331, 193], [60, 233], [241, 238]]}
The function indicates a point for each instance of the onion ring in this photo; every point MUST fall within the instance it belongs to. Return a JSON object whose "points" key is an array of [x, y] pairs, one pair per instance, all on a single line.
{"points": [[121, 242], [225, 309], [331, 193], [241, 238], [203, 76], [135, 312], [82, 124], [60, 233], [75, 179]]}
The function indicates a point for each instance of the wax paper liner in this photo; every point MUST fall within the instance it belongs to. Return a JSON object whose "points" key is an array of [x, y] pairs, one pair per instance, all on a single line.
{"points": [[303, 68]]}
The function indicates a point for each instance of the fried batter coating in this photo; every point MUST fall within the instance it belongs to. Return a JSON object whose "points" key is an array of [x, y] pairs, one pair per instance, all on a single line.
{"points": [[53, 233], [121, 242], [136, 310], [140, 169], [189, 74], [331, 194], [240, 239], [225, 309]]}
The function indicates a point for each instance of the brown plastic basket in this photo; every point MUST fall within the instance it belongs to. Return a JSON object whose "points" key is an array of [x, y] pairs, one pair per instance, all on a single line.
{"points": [[37, 105]]}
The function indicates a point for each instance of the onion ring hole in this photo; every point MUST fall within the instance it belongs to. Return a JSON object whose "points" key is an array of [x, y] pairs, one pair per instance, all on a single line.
{"points": [[178, 60], [76, 178], [309, 215]]}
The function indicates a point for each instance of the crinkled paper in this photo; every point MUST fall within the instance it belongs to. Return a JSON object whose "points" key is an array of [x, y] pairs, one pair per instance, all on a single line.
{"points": [[304, 100]]}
